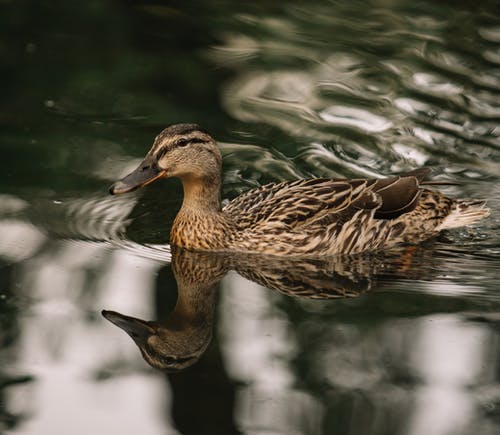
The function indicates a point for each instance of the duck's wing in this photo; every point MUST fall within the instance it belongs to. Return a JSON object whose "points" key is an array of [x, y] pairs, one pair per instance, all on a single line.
{"points": [[323, 201], [289, 203], [398, 195]]}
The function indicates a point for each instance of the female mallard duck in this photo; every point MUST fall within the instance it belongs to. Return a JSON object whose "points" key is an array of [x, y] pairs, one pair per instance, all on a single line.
{"points": [[304, 217]]}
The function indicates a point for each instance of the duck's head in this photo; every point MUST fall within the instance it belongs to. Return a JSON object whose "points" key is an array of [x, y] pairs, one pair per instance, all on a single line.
{"points": [[164, 348], [186, 151]]}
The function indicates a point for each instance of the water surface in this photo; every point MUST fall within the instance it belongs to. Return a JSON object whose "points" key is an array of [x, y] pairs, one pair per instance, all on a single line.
{"points": [[404, 342]]}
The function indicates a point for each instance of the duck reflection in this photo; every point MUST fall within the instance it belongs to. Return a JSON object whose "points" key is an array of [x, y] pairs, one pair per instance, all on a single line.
{"points": [[179, 341]]}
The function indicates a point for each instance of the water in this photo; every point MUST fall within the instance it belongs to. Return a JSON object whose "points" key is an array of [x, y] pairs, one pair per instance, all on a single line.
{"points": [[404, 342]]}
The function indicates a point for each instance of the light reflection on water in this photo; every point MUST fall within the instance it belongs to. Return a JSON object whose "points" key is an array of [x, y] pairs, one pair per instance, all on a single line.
{"points": [[441, 104], [337, 89]]}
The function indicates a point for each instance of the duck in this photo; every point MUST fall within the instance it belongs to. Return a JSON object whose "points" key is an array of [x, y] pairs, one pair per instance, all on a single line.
{"points": [[304, 217]]}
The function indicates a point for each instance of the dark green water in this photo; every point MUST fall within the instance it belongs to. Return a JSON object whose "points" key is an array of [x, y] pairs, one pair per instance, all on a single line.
{"points": [[299, 89]]}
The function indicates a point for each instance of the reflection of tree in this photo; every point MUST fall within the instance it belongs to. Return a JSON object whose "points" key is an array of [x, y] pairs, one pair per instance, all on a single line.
{"points": [[9, 420], [204, 396], [8, 341]]}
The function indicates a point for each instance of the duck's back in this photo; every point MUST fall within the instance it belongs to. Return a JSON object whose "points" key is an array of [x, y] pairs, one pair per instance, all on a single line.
{"points": [[301, 203], [330, 216]]}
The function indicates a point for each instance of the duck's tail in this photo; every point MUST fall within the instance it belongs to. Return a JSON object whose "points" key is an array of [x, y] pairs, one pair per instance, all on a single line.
{"points": [[465, 212]]}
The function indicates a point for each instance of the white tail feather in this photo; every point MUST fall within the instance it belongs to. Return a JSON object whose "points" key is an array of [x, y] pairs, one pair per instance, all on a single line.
{"points": [[465, 212]]}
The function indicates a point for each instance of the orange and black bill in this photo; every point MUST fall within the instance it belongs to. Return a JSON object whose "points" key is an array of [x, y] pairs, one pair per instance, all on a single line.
{"points": [[145, 173]]}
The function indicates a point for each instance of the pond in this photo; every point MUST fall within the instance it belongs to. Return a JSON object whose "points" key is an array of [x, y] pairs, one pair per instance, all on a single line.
{"points": [[399, 342]]}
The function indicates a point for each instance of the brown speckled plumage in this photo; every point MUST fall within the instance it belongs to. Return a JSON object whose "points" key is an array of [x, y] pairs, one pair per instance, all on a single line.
{"points": [[310, 217]]}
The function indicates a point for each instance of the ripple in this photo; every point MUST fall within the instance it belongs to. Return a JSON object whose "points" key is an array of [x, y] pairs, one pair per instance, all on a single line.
{"points": [[247, 164], [491, 34], [436, 85], [96, 218], [371, 91], [100, 220], [259, 98], [354, 117], [159, 253], [327, 162], [450, 122], [470, 70]]}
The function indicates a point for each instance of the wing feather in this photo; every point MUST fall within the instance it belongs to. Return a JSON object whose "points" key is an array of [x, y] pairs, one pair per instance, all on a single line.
{"points": [[319, 201], [292, 203]]}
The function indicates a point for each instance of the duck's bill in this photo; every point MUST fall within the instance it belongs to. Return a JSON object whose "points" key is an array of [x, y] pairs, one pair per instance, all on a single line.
{"points": [[138, 329], [146, 173]]}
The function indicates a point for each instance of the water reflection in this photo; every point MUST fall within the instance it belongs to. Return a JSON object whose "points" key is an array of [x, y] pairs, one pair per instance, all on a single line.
{"points": [[296, 90], [368, 89], [179, 341]]}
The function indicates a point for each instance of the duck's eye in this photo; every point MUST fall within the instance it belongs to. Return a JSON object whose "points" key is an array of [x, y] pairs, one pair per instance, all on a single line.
{"points": [[182, 142]]}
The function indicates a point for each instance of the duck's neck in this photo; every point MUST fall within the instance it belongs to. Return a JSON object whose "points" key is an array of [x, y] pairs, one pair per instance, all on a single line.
{"points": [[200, 223], [201, 195]]}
